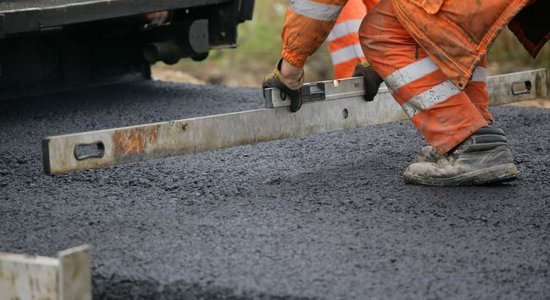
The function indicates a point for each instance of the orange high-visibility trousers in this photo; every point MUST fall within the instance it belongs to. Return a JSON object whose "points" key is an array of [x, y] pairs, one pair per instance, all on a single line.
{"points": [[443, 113]]}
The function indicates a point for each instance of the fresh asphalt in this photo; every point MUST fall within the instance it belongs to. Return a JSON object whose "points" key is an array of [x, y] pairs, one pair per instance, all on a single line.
{"points": [[320, 217]]}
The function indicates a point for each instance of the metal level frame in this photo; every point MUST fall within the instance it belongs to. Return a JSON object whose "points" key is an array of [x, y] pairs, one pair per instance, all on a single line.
{"points": [[67, 277], [328, 106]]}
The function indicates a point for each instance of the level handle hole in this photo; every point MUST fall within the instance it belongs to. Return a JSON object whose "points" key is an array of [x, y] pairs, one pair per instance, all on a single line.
{"points": [[91, 150], [345, 113], [522, 87]]}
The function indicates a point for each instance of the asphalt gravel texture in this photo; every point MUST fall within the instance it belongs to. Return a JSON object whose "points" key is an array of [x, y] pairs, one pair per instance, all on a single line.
{"points": [[320, 217]]}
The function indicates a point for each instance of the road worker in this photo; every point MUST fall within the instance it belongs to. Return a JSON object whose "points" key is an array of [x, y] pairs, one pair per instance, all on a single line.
{"points": [[431, 55], [343, 40]]}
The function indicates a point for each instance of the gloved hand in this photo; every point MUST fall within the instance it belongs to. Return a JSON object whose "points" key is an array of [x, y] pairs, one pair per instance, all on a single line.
{"points": [[292, 91], [371, 80]]}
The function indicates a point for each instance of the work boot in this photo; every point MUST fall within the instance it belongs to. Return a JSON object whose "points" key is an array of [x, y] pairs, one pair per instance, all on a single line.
{"points": [[429, 154], [482, 158]]}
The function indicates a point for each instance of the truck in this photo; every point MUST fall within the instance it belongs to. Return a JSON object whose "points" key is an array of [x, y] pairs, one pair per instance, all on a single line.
{"points": [[52, 45]]}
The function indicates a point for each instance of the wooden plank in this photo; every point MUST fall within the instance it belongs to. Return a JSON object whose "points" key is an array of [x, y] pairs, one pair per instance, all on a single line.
{"points": [[26, 277], [75, 282]]}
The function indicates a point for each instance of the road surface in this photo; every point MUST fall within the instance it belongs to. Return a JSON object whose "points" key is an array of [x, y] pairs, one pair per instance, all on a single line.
{"points": [[320, 217]]}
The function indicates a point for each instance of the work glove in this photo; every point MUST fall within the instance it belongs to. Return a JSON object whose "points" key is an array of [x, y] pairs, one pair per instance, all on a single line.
{"points": [[371, 80], [274, 80]]}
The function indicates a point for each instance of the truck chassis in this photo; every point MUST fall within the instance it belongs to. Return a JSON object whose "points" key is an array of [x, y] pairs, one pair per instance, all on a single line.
{"points": [[51, 45]]}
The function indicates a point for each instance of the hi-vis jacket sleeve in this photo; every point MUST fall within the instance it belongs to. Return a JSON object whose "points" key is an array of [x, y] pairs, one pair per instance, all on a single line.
{"points": [[307, 25]]}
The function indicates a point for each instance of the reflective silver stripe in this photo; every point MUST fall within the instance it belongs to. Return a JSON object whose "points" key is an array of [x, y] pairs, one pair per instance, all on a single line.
{"points": [[344, 28], [314, 10], [346, 54], [410, 73], [431, 97], [480, 74]]}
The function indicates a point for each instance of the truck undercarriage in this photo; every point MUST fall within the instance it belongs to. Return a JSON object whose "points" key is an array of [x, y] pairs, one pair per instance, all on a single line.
{"points": [[59, 44]]}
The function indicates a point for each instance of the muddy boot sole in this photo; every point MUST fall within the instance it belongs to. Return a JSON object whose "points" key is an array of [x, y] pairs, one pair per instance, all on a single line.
{"points": [[494, 174]]}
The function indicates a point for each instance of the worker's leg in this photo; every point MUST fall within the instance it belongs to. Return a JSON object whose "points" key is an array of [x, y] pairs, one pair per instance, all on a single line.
{"points": [[477, 90], [343, 41], [479, 95], [444, 114]]}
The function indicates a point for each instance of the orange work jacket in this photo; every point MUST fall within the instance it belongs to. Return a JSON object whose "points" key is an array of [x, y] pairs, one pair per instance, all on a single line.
{"points": [[456, 34]]}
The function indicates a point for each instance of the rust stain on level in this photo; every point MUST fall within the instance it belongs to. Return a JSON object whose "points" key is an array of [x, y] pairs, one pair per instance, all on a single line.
{"points": [[136, 140]]}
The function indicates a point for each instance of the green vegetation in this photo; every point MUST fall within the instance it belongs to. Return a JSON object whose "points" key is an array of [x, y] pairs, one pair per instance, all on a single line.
{"points": [[508, 55], [260, 39]]}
